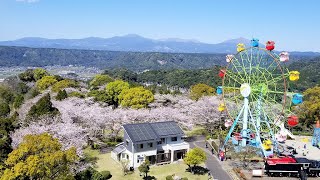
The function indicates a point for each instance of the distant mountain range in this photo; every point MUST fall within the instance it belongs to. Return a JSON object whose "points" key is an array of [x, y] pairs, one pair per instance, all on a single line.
{"points": [[135, 43]]}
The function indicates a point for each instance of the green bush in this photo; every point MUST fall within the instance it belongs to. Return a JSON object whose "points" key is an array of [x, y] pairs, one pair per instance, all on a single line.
{"points": [[100, 79], [61, 95], [4, 109], [76, 94], [302, 133], [43, 107], [45, 82], [169, 177], [103, 175], [39, 73], [184, 178], [33, 92], [27, 76], [64, 84], [112, 144], [100, 95], [96, 146], [18, 101], [86, 174]]}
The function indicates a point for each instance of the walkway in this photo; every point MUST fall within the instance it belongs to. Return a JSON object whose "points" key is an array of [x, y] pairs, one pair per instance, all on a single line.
{"points": [[212, 163]]}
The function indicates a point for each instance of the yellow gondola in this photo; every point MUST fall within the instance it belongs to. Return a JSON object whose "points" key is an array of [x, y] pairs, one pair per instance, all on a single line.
{"points": [[240, 47], [294, 75], [221, 107]]}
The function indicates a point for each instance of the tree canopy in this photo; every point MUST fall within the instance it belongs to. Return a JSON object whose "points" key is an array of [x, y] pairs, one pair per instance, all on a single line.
{"points": [[309, 110], [62, 94], [43, 107], [195, 156], [63, 84], [144, 168], [39, 73], [137, 97], [27, 75], [40, 157], [114, 89], [46, 82], [6, 125], [199, 90], [100, 80]]}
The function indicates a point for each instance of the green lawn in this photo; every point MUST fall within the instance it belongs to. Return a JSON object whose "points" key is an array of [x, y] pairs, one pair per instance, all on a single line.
{"points": [[105, 162]]}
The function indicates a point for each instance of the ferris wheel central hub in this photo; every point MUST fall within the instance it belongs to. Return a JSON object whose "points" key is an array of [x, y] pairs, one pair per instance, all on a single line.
{"points": [[245, 89]]}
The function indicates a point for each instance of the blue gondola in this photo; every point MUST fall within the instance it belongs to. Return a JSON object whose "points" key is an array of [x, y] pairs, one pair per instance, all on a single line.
{"points": [[219, 90], [255, 42], [297, 99]]}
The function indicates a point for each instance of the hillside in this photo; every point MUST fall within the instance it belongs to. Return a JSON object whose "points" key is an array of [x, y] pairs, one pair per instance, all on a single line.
{"points": [[136, 61]]}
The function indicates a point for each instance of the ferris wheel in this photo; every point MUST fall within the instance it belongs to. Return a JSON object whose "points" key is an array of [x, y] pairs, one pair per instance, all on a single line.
{"points": [[255, 96]]}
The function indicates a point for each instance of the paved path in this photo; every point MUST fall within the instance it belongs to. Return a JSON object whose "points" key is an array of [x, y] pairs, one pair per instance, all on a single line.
{"points": [[212, 163]]}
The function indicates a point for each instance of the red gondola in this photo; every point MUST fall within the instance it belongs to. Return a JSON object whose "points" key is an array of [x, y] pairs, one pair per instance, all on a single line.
{"points": [[222, 73], [293, 121], [270, 45]]}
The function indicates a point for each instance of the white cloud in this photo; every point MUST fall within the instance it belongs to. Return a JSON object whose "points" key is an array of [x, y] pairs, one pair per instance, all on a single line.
{"points": [[28, 1]]}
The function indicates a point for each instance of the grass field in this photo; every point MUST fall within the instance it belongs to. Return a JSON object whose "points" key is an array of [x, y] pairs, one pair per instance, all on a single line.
{"points": [[105, 162]]}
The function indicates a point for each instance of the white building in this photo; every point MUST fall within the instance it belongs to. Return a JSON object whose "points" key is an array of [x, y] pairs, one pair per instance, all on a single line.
{"points": [[159, 142]]}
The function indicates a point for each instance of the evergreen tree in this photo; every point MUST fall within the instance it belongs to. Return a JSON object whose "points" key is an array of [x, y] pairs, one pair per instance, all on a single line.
{"points": [[43, 107], [61, 95]]}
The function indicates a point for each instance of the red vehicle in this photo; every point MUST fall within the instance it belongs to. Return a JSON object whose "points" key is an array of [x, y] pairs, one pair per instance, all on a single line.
{"points": [[290, 166], [270, 45]]}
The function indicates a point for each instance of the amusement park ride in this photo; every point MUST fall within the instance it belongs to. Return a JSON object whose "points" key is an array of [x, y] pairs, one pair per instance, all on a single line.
{"points": [[255, 96]]}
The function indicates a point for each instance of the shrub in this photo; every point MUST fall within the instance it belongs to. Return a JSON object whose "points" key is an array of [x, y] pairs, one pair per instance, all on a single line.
{"points": [[103, 175], [184, 178], [76, 94], [61, 95], [4, 109], [43, 107], [27, 75], [18, 101], [100, 95], [45, 82], [33, 92], [100, 79], [64, 84], [199, 90], [86, 174], [169, 177], [39, 73]]}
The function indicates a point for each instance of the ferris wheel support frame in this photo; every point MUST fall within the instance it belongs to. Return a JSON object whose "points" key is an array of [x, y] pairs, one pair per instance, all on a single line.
{"points": [[248, 118]]}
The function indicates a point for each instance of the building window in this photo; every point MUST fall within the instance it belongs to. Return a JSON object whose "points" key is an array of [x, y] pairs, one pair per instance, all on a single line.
{"points": [[127, 156], [159, 142], [141, 146], [163, 140], [123, 155], [150, 145], [127, 142], [138, 157], [174, 139]]}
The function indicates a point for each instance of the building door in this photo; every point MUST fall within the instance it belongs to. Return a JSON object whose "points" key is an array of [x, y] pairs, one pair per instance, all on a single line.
{"points": [[179, 155]]}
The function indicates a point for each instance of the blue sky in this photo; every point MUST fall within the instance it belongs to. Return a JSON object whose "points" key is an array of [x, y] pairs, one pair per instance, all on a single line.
{"points": [[292, 24]]}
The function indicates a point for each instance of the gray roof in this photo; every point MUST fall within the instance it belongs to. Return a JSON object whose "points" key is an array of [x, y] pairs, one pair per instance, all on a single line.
{"points": [[165, 129], [143, 132], [140, 132], [119, 149]]}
